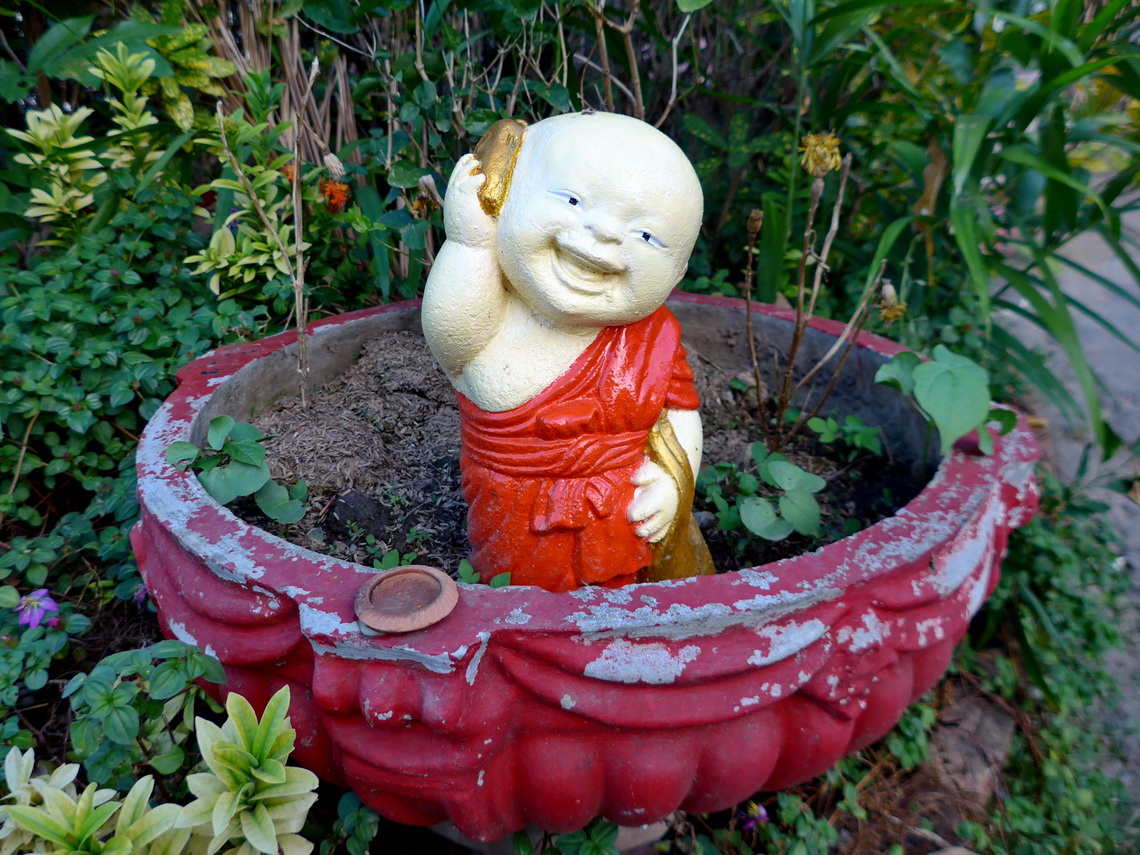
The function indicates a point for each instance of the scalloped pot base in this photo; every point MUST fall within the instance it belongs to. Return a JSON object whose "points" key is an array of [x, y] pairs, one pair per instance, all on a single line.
{"points": [[524, 706]]}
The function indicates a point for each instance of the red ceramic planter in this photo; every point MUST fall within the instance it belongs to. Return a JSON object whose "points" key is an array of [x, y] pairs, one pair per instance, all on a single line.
{"points": [[524, 706]]}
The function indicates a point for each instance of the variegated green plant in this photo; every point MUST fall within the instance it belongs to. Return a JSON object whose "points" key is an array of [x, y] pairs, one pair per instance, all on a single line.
{"points": [[249, 801], [127, 73], [192, 66], [71, 169], [47, 815], [22, 792], [242, 255]]}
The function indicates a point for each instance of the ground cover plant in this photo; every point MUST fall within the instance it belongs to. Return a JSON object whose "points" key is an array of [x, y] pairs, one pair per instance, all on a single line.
{"points": [[983, 136]]}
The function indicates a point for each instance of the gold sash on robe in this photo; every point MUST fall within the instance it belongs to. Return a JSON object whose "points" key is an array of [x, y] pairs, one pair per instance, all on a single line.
{"points": [[683, 551]]}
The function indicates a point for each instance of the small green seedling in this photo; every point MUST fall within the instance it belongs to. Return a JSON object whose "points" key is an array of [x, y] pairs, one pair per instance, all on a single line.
{"points": [[233, 465], [851, 432], [391, 558], [952, 392], [796, 510], [469, 576]]}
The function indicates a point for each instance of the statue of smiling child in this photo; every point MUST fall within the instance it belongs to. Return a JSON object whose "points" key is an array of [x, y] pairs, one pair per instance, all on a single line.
{"points": [[545, 308]]}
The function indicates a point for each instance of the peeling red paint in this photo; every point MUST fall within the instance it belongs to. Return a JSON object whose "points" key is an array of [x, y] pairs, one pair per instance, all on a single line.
{"points": [[691, 694]]}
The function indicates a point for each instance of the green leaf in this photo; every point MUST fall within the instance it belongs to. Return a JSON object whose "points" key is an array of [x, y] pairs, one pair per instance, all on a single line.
{"points": [[168, 680], [272, 722], [770, 277], [500, 581], [219, 432], [121, 725], [226, 483], [14, 83], [738, 137], [182, 454], [969, 133], [788, 476], [703, 131], [159, 165], [245, 432], [1055, 317], [39, 823], [802, 511], [1024, 157], [467, 573], [405, 174], [9, 597], [689, 6], [245, 451], [477, 122], [169, 761], [954, 392], [56, 41], [963, 218], [335, 15], [899, 372], [886, 242], [841, 27], [425, 94], [757, 514], [258, 829], [275, 503]]}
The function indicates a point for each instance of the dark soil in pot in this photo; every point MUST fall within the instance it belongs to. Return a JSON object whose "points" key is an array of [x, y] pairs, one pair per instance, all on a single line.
{"points": [[379, 450]]}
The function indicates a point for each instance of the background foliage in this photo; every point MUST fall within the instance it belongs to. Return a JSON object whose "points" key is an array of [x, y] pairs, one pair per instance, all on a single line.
{"points": [[985, 136]]}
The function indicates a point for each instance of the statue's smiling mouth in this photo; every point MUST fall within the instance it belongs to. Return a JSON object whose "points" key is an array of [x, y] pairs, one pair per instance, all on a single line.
{"points": [[582, 271]]}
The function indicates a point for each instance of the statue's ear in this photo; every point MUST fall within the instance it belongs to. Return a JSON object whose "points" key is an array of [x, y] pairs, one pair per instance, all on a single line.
{"points": [[497, 152]]}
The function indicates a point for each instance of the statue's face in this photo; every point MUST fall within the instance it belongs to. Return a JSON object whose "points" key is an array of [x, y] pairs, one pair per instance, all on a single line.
{"points": [[602, 215]]}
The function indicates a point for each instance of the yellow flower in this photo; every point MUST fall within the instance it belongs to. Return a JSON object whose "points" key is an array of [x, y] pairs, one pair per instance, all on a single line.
{"points": [[821, 154]]}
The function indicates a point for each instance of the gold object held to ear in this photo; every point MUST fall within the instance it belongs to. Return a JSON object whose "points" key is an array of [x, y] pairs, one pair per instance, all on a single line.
{"points": [[497, 152]]}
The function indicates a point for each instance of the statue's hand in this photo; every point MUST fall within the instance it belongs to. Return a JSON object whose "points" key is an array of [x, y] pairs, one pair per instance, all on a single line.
{"points": [[463, 217], [654, 502]]}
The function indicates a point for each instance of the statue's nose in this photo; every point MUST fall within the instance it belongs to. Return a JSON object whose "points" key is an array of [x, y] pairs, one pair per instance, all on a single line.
{"points": [[603, 227]]}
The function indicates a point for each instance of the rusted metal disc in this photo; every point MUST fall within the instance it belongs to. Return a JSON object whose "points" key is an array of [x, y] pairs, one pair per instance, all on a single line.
{"points": [[406, 598]]}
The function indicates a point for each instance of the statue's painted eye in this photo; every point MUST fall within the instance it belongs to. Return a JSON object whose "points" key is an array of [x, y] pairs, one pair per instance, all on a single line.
{"points": [[647, 237], [573, 201]]}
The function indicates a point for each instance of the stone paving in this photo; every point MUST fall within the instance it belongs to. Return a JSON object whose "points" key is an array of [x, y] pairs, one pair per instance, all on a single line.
{"points": [[1118, 367]]}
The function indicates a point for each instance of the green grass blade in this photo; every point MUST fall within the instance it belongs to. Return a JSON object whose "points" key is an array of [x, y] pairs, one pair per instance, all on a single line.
{"points": [[1028, 363], [1058, 321], [161, 163], [1103, 281], [964, 220]]}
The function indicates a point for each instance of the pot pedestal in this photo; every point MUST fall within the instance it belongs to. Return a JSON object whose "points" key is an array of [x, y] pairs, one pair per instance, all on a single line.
{"points": [[527, 707]]}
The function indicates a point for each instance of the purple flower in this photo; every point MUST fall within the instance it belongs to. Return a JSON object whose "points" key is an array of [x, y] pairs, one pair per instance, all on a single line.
{"points": [[34, 606], [754, 814], [140, 595]]}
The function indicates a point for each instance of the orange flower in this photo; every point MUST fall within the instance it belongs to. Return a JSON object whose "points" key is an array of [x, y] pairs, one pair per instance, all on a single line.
{"points": [[335, 193], [288, 170]]}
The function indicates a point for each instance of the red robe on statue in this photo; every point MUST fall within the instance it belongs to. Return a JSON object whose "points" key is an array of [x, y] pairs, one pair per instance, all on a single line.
{"points": [[548, 484]]}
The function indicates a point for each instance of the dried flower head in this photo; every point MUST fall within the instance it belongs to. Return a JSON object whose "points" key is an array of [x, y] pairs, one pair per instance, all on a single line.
{"points": [[428, 199], [890, 309], [755, 221], [821, 154], [334, 166]]}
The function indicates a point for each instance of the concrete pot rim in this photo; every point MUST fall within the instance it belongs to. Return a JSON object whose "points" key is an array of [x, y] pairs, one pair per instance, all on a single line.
{"points": [[322, 589]]}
